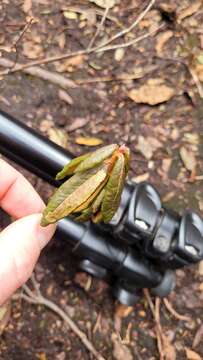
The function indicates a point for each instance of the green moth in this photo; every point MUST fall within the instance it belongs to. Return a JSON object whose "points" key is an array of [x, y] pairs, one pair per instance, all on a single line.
{"points": [[93, 188]]}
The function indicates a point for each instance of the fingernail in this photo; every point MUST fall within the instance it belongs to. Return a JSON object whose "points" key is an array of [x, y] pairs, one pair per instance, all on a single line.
{"points": [[45, 234]]}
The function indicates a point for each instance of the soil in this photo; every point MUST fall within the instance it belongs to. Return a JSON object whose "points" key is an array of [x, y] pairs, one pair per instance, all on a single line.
{"points": [[34, 332]]}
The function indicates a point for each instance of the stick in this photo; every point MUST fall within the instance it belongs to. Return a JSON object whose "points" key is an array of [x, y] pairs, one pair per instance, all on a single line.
{"points": [[99, 27], [174, 312], [36, 71], [35, 297], [32, 64], [98, 48]]}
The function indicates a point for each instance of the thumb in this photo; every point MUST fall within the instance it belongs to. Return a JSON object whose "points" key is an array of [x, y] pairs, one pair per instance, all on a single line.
{"points": [[20, 246]]}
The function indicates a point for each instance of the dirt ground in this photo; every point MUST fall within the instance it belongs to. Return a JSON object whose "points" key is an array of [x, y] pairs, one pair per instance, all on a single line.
{"points": [[148, 95]]}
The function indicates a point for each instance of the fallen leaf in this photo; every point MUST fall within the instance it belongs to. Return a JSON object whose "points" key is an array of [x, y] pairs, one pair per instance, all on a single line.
{"points": [[192, 355], [189, 10], [71, 15], [198, 337], [104, 3], [122, 311], [148, 145], [77, 124], [69, 64], [119, 54], [63, 95], [168, 349], [5, 313], [2, 38], [61, 39], [89, 141], [120, 351], [192, 138], [27, 6], [151, 94], [32, 50], [58, 136], [201, 268], [188, 158], [162, 40]]}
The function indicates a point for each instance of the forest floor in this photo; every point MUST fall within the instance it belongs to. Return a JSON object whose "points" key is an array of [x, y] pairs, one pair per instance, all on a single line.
{"points": [[147, 94]]}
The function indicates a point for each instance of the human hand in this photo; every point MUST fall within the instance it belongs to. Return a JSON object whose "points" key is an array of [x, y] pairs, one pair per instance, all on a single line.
{"points": [[22, 241]]}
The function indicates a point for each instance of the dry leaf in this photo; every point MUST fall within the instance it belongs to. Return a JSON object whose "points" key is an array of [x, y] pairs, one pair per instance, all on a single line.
{"points": [[148, 145], [61, 39], [69, 64], [119, 54], [120, 351], [188, 158], [122, 311], [77, 124], [71, 15], [201, 268], [63, 95], [192, 355], [190, 10], [104, 3], [32, 50], [27, 6], [5, 312], [162, 40], [168, 349], [89, 141], [58, 136], [151, 94]]}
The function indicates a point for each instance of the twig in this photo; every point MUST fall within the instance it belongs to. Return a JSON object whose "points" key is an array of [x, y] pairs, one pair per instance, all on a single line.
{"points": [[131, 42], [36, 71], [22, 33], [36, 297], [100, 48], [132, 26], [99, 27], [155, 309], [122, 77], [174, 312], [196, 81]]}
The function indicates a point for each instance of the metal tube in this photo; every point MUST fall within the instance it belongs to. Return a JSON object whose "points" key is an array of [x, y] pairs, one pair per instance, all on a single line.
{"points": [[28, 148]]}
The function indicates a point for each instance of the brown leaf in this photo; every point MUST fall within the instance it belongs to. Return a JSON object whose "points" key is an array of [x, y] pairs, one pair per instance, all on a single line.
{"points": [[104, 3], [192, 355], [148, 145], [168, 349], [77, 124], [70, 64], [63, 95], [189, 10], [5, 313], [140, 178], [32, 50], [188, 158], [122, 311], [151, 94], [162, 40], [27, 6], [89, 141], [58, 136], [120, 351]]}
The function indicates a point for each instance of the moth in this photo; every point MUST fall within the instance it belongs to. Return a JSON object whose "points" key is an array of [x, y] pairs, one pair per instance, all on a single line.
{"points": [[93, 186]]}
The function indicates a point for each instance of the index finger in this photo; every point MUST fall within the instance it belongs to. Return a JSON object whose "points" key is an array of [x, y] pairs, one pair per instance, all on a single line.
{"points": [[17, 196]]}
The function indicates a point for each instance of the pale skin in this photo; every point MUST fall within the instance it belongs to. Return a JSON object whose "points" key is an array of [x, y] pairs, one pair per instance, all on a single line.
{"points": [[22, 241]]}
